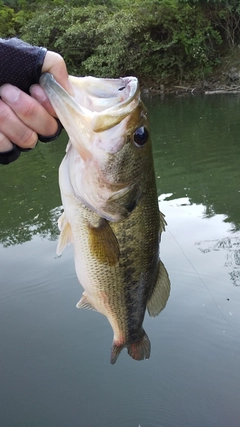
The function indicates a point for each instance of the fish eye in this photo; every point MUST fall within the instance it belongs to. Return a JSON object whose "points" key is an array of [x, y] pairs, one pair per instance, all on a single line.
{"points": [[140, 136]]}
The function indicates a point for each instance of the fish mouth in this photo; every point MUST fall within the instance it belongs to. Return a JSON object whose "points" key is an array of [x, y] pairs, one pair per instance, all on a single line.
{"points": [[98, 95], [102, 103]]}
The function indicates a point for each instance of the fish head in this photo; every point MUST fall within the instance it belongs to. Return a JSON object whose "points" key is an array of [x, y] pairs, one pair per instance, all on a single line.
{"points": [[109, 150]]}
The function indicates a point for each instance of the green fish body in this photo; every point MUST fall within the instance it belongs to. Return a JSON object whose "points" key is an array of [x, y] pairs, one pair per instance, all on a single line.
{"points": [[111, 214]]}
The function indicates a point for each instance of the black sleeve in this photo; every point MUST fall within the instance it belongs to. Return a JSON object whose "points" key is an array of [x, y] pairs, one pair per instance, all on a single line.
{"points": [[20, 63]]}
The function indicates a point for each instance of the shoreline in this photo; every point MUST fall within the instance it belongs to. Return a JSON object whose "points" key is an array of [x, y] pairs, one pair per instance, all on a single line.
{"points": [[224, 79], [192, 89]]}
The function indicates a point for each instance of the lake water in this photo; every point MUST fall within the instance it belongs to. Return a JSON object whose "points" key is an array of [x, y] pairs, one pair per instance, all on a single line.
{"points": [[54, 359]]}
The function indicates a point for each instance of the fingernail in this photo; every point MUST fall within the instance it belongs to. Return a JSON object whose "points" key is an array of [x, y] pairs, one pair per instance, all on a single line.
{"points": [[9, 93]]}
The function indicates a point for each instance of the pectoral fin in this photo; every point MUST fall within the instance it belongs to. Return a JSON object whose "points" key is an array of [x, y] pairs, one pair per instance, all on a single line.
{"points": [[103, 243], [161, 292], [65, 237]]}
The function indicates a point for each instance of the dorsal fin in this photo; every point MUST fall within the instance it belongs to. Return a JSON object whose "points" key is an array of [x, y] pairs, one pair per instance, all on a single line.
{"points": [[161, 292], [163, 222]]}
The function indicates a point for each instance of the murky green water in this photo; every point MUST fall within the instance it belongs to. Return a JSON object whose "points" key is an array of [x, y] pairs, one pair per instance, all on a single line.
{"points": [[54, 359]]}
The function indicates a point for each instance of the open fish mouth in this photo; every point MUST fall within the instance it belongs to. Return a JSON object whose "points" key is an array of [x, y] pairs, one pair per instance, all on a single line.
{"points": [[102, 102], [100, 95]]}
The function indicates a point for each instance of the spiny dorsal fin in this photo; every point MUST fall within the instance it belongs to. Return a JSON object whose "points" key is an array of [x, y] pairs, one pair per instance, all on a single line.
{"points": [[103, 243], [161, 292], [65, 237], [84, 303]]}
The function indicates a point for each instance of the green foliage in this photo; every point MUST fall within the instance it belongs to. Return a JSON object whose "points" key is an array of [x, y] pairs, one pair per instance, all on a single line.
{"points": [[117, 48], [224, 15], [81, 38], [228, 20], [162, 40], [7, 27], [46, 26], [159, 40]]}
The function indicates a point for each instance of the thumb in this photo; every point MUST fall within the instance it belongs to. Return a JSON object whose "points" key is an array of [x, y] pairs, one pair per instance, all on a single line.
{"points": [[55, 64]]}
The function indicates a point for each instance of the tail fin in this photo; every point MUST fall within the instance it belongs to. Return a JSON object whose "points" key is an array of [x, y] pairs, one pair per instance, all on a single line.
{"points": [[115, 351], [139, 350]]}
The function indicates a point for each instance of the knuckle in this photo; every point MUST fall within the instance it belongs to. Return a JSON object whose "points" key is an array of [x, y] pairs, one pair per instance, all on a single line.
{"points": [[28, 138], [30, 109], [49, 127], [56, 57], [59, 58], [5, 112], [5, 144]]}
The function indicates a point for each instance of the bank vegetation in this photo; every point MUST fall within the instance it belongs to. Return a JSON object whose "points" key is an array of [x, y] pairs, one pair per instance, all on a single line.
{"points": [[162, 42]]}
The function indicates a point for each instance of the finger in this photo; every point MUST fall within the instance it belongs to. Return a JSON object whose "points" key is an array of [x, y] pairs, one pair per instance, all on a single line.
{"points": [[39, 94], [14, 129], [5, 143], [28, 110], [54, 64]]}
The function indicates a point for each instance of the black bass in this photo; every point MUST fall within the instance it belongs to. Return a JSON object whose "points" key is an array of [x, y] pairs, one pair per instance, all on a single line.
{"points": [[111, 214]]}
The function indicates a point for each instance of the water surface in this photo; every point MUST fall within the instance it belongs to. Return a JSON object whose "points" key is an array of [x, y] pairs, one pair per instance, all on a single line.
{"points": [[55, 368]]}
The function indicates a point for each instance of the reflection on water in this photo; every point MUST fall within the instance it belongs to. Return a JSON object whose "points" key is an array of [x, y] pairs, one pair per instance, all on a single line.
{"points": [[36, 225], [231, 248], [197, 154], [30, 196], [54, 358]]}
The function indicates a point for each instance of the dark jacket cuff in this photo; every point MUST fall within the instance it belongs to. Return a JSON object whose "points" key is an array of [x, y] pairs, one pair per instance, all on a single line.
{"points": [[21, 63]]}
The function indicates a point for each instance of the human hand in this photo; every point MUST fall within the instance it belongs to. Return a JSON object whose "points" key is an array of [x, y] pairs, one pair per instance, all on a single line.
{"points": [[23, 117]]}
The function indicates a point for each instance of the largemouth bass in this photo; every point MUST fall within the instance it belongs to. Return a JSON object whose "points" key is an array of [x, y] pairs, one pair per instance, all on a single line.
{"points": [[111, 214]]}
